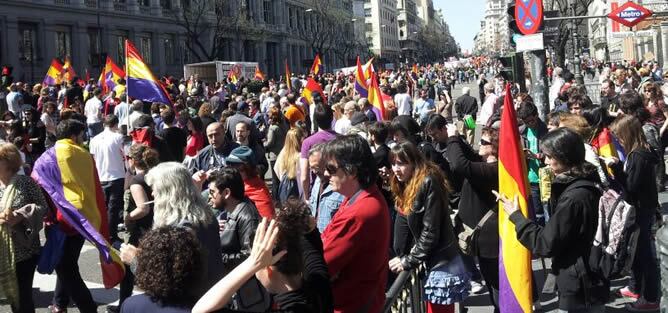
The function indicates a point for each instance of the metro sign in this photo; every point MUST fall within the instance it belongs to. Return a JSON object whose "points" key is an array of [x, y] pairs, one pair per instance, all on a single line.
{"points": [[528, 15], [630, 14]]}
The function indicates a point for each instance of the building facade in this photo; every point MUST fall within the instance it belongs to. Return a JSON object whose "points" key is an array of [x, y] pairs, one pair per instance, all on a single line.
{"points": [[409, 24], [381, 28], [32, 32]]}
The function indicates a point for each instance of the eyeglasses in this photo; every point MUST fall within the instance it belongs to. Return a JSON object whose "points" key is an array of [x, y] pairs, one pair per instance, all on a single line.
{"points": [[331, 168], [484, 142]]}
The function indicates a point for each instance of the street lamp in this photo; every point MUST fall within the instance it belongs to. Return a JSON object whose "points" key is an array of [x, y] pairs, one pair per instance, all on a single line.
{"points": [[576, 50], [308, 10]]}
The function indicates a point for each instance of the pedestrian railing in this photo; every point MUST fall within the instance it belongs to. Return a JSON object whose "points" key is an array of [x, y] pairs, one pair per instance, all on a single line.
{"points": [[61, 2], [405, 294], [594, 92], [92, 4]]}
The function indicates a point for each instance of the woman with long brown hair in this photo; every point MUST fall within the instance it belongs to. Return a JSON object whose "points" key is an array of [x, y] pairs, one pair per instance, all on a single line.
{"points": [[654, 103], [421, 196], [642, 193]]}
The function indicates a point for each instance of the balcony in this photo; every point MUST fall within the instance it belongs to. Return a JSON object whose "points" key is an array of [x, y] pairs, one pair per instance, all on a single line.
{"points": [[61, 2], [121, 7], [144, 10], [91, 4]]}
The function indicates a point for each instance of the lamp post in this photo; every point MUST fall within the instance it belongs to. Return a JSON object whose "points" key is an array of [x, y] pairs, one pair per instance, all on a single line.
{"points": [[576, 51]]}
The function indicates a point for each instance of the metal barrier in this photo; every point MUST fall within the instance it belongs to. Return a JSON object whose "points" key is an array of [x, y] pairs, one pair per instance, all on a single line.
{"points": [[405, 294], [594, 92]]}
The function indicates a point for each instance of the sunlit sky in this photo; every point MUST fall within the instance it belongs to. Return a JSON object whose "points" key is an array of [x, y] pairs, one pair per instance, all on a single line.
{"points": [[463, 17]]}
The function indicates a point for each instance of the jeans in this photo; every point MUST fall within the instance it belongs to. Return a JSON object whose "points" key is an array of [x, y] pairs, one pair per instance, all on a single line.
{"points": [[489, 268], [69, 282], [536, 209], [645, 267], [113, 194], [25, 272], [94, 129]]}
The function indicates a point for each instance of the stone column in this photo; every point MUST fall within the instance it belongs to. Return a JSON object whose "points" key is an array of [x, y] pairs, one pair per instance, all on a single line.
{"points": [[656, 43], [664, 44], [80, 47], [12, 50], [156, 10], [158, 51]]}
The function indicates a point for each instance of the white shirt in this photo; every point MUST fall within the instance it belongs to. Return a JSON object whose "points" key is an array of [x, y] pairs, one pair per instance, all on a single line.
{"points": [[14, 102], [93, 110], [107, 150], [403, 102], [487, 109], [121, 111]]}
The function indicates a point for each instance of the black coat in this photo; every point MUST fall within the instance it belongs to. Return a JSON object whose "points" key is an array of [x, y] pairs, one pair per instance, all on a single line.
{"points": [[236, 239], [567, 238], [466, 105], [476, 198], [637, 176], [429, 223]]}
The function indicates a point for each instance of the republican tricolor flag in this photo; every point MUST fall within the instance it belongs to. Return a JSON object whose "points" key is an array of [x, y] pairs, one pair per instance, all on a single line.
{"points": [[376, 97], [110, 76], [515, 288], [312, 87], [68, 175], [54, 74], [317, 64], [141, 84], [68, 71], [360, 80], [258, 74]]}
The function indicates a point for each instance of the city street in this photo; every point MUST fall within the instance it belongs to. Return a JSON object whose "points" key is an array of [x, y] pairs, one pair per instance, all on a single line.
{"points": [[44, 285]]}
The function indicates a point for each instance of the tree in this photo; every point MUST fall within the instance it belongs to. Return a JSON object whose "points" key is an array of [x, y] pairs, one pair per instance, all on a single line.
{"points": [[327, 28], [206, 22], [567, 8]]}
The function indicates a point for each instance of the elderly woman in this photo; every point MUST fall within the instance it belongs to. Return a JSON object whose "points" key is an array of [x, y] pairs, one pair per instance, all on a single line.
{"points": [[23, 207], [179, 203]]}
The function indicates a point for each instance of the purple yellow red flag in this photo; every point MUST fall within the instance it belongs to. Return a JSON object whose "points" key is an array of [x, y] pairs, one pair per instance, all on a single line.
{"points": [[515, 288], [376, 97], [368, 69], [360, 81], [68, 175], [288, 76], [141, 84], [317, 64], [258, 74], [54, 74], [607, 145], [311, 88], [68, 71], [110, 76]]}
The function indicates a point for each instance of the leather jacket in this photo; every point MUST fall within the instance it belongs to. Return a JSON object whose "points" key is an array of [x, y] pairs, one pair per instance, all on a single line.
{"points": [[236, 238], [430, 225]]}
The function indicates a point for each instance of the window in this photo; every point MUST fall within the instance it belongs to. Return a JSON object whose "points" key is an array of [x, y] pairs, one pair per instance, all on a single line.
{"points": [[368, 27], [28, 48], [169, 49], [145, 49], [63, 42], [367, 12], [291, 17], [166, 4], [268, 12], [94, 47], [120, 46]]}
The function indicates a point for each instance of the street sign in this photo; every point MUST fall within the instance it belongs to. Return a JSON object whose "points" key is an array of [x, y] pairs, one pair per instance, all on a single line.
{"points": [[528, 15], [630, 14], [530, 43]]}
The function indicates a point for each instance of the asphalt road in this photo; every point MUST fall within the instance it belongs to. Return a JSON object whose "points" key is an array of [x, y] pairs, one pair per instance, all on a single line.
{"points": [[44, 285]]}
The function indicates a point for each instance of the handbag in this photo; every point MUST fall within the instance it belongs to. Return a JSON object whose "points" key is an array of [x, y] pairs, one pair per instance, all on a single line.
{"points": [[52, 250], [468, 237]]}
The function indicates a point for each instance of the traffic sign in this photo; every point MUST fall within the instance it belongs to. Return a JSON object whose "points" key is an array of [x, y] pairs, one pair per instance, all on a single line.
{"points": [[528, 15], [630, 14]]}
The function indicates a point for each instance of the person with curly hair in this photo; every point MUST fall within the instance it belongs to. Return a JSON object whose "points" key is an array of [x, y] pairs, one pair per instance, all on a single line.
{"points": [[287, 258], [169, 262]]}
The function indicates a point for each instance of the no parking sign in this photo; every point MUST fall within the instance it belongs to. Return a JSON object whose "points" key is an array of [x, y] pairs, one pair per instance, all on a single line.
{"points": [[528, 15]]}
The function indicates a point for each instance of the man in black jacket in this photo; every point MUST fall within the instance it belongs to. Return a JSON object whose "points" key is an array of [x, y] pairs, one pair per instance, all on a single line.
{"points": [[466, 106]]}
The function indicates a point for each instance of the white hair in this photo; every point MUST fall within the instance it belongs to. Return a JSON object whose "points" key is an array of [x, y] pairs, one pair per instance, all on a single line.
{"points": [[466, 91], [176, 197]]}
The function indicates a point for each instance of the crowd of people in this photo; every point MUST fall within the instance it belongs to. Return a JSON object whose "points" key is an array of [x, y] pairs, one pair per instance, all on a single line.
{"points": [[355, 195]]}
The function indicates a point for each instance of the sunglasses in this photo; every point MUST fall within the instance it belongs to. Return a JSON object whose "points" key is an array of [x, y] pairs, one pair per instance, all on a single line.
{"points": [[484, 142], [331, 168]]}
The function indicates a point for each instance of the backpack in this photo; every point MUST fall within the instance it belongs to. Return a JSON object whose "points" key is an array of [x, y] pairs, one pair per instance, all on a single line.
{"points": [[287, 187], [616, 236]]}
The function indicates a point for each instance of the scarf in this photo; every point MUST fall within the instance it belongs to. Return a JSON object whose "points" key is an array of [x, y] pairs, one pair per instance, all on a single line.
{"points": [[8, 283]]}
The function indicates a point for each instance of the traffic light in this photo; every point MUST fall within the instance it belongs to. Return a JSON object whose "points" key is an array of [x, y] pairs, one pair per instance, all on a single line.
{"points": [[513, 30], [513, 69]]}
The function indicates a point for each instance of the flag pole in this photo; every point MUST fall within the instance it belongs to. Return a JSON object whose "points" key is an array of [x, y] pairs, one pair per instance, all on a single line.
{"points": [[127, 90]]}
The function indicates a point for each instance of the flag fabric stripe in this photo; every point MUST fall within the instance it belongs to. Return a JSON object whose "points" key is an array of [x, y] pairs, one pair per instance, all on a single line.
{"points": [[141, 84], [53, 74], [311, 88], [515, 290], [360, 81], [368, 69], [258, 73], [375, 97], [70, 178], [315, 68], [288, 75], [68, 71]]}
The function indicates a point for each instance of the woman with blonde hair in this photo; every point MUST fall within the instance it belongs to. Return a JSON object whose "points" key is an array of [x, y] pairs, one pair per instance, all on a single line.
{"points": [[421, 196], [178, 202], [287, 165]]}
